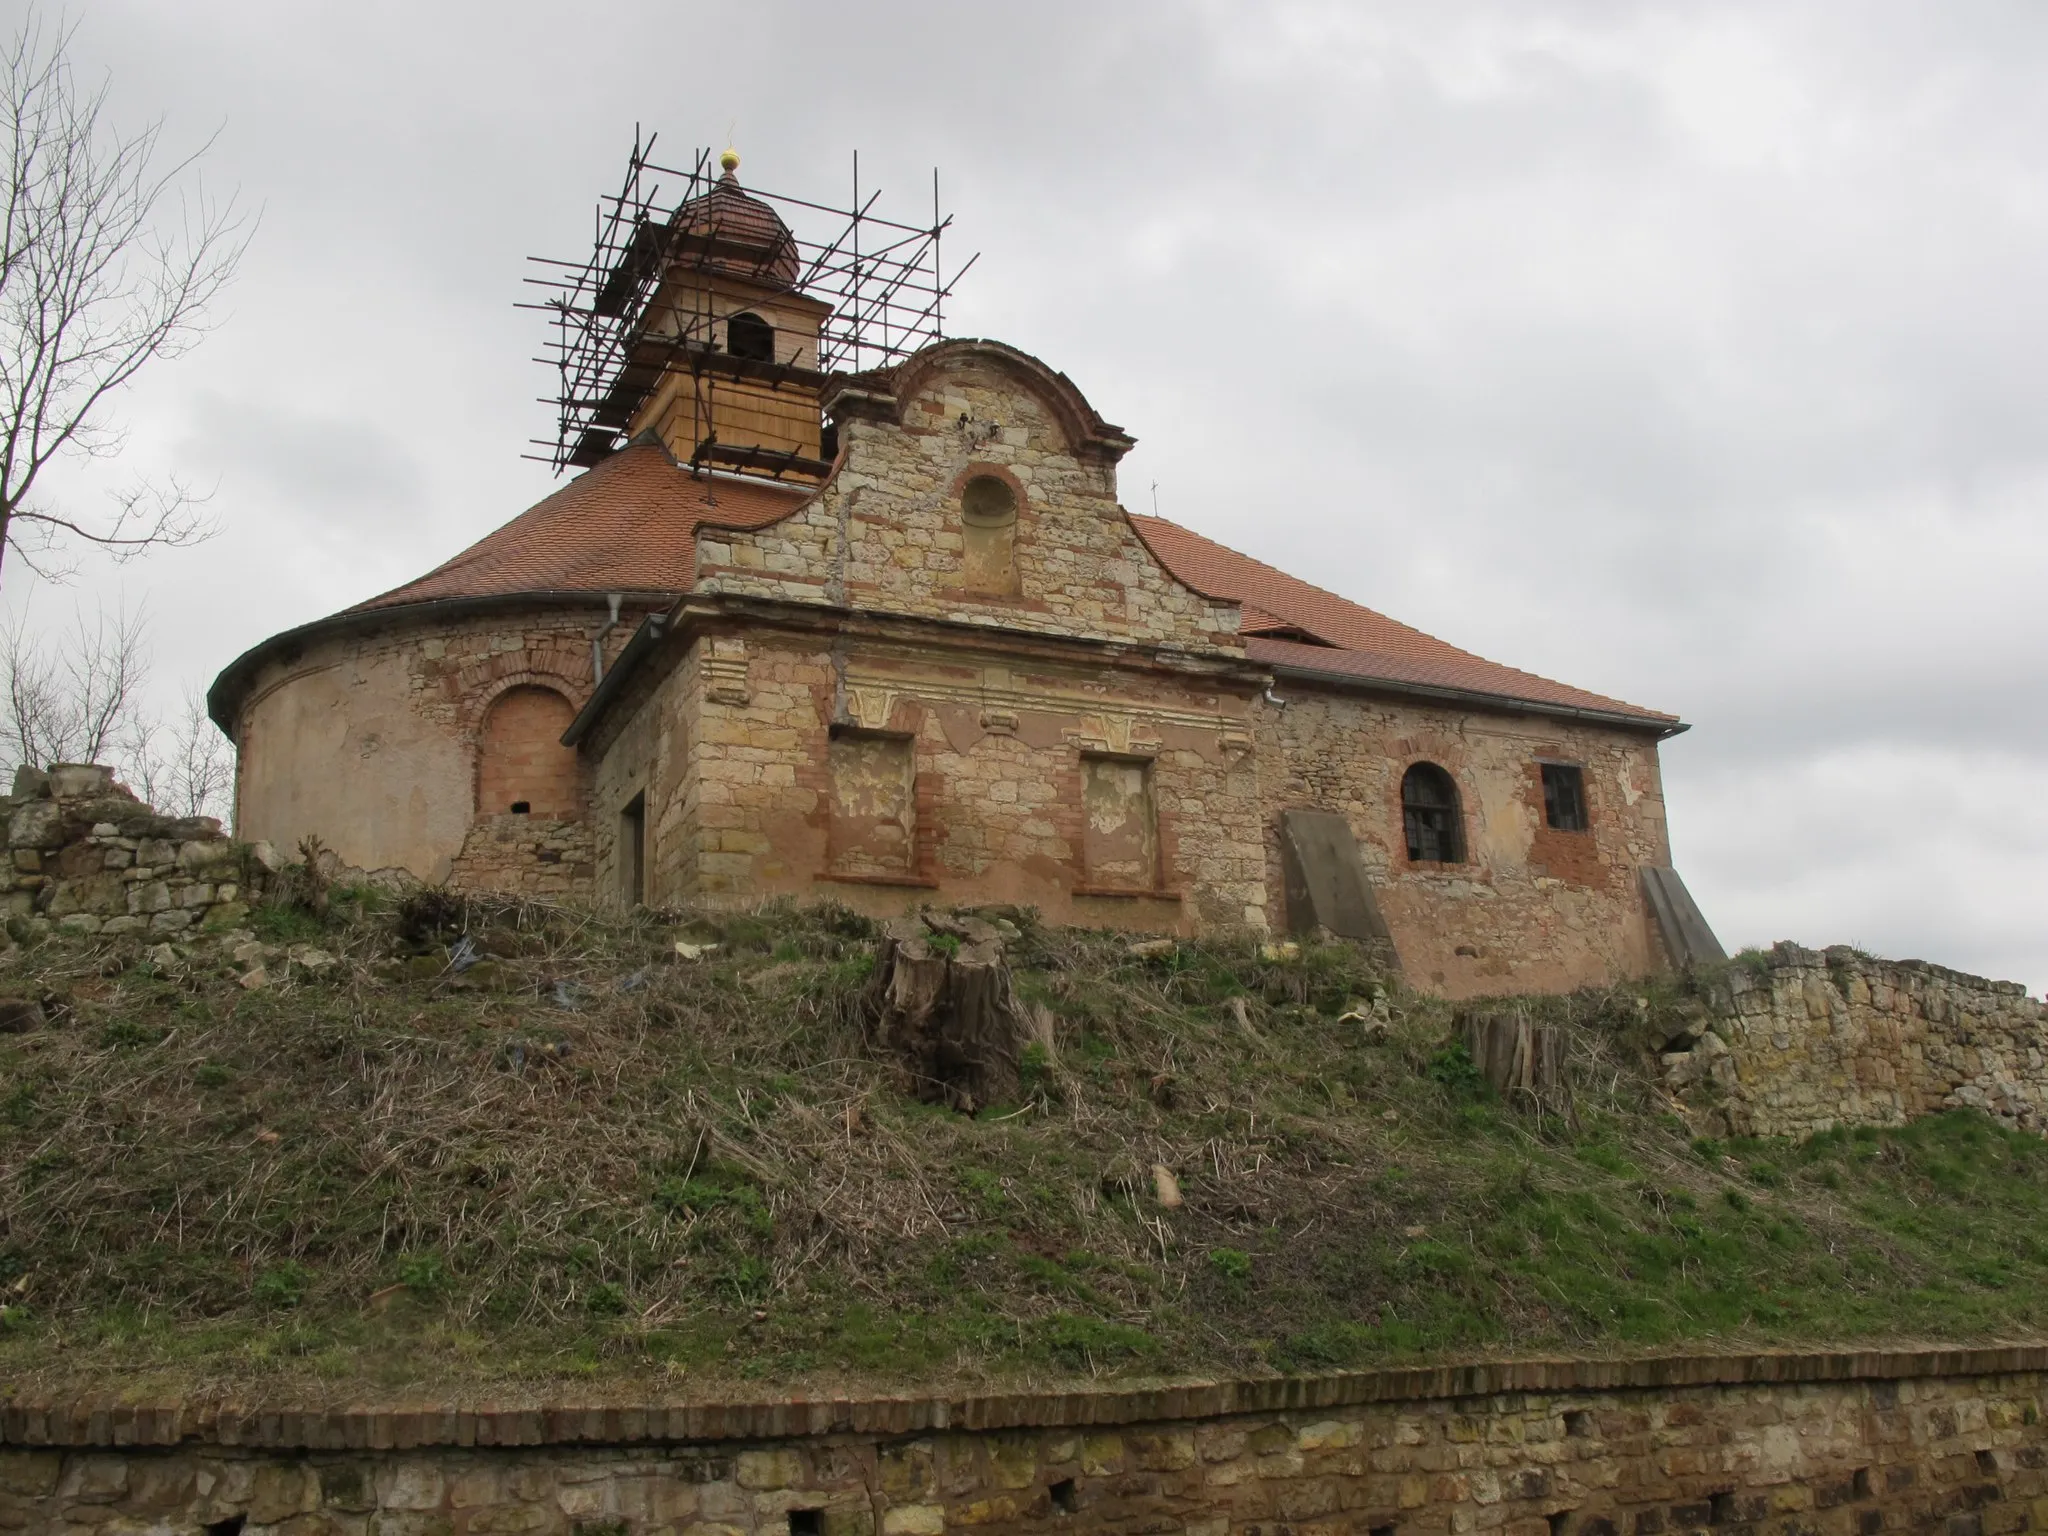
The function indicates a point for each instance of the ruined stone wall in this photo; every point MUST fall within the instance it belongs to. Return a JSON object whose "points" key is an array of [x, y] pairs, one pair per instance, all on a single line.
{"points": [[369, 739], [1867, 1444], [86, 856], [1799, 1041], [996, 804], [886, 535], [1531, 909]]}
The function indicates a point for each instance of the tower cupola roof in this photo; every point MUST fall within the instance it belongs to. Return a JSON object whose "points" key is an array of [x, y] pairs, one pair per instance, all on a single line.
{"points": [[729, 232]]}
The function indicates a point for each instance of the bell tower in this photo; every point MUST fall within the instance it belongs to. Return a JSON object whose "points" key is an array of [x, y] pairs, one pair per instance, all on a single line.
{"points": [[714, 326], [734, 339]]}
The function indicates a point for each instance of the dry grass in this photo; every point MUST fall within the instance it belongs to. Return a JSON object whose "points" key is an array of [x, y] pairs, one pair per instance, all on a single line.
{"points": [[587, 1157]]}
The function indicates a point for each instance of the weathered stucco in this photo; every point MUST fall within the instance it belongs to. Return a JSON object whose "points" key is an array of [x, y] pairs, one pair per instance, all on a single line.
{"points": [[956, 673], [983, 750], [369, 737], [1530, 908]]}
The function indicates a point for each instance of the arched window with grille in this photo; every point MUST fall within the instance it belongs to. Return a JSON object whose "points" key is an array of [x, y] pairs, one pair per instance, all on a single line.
{"points": [[1430, 816]]}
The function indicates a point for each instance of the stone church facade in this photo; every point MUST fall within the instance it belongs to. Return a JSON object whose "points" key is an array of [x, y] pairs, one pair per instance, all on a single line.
{"points": [[948, 667]]}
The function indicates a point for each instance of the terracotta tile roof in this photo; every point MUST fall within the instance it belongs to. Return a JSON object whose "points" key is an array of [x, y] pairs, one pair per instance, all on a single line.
{"points": [[627, 525], [1360, 643], [733, 233]]}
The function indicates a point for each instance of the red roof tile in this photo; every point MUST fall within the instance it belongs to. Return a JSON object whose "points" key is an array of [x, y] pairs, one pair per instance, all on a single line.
{"points": [[627, 525], [730, 232], [1361, 643]]}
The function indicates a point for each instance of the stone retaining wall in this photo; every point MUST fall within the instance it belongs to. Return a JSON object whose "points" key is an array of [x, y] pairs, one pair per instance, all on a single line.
{"points": [[1947, 1441], [87, 857], [1799, 1041]]}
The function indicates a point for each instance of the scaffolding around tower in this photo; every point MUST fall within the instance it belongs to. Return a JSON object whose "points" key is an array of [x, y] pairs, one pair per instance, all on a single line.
{"points": [[713, 314]]}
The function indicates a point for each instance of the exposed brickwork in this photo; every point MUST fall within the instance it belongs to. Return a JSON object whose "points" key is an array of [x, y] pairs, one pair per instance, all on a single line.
{"points": [[521, 762], [1531, 908], [1818, 1445], [1803, 1041], [375, 740]]}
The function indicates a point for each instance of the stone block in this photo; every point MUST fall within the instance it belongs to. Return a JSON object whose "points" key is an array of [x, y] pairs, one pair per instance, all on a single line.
{"points": [[768, 1469], [410, 1484], [37, 824], [80, 781], [204, 856], [31, 1474], [226, 914]]}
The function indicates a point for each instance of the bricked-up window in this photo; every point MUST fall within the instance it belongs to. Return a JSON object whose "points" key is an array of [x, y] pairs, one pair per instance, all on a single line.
{"points": [[1429, 814], [988, 536], [874, 804], [522, 767], [749, 336], [1564, 797], [1120, 828]]}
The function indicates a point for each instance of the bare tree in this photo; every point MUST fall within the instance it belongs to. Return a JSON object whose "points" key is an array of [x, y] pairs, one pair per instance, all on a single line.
{"points": [[104, 267], [184, 767], [80, 698]]}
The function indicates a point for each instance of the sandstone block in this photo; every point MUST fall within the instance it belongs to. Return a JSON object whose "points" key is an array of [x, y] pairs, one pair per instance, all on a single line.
{"points": [[79, 781], [195, 857], [37, 824], [768, 1469], [32, 1474]]}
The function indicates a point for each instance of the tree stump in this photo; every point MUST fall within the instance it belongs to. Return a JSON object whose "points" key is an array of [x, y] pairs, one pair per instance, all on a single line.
{"points": [[1522, 1060], [941, 1004]]}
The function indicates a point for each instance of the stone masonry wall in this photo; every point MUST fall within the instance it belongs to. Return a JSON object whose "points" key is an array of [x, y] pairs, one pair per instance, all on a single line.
{"points": [[997, 749], [1800, 1041], [1531, 909], [87, 857], [1867, 1445], [884, 535]]}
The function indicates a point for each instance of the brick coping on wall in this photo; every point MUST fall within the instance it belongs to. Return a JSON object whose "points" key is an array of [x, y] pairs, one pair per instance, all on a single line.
{"points": [[109, 1422]]}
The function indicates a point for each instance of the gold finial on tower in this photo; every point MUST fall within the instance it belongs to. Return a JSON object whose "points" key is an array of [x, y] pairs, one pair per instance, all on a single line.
{"points": [[730, 160]]}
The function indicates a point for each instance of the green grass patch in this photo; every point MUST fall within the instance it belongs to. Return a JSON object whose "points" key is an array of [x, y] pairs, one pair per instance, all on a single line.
{"points": [[613, 1163]]}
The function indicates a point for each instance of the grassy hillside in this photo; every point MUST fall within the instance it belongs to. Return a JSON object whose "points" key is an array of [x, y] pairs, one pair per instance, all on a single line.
{"points": [[588, 1157]]}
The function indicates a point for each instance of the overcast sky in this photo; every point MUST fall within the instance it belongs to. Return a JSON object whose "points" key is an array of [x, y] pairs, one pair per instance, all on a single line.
{"points": [[1696, 354]]}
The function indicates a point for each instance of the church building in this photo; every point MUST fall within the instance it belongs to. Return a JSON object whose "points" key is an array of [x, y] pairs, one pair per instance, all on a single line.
{"points": [[885, 634]]}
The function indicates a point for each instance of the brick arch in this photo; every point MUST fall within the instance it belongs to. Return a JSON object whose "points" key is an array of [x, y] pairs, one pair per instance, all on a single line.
{"points": [[563, 667]]}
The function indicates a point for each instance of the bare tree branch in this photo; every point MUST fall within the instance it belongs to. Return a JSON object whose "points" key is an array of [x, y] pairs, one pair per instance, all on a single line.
{"points": [[99, 277], [79, 697]]}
